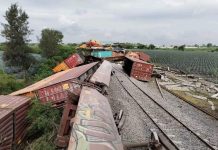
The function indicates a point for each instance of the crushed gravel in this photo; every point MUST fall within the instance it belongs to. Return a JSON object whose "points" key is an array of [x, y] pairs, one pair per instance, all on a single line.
{"points": [[137, 127], [181, 137], [196, 120]]}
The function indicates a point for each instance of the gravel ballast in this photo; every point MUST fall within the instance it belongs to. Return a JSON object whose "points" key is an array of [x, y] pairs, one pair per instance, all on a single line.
{"points": [[206, 122], [137, 126], [204, 125]]}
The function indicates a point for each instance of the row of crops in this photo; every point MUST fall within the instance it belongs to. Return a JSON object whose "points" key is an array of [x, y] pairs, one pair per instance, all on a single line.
{"points": [[191, 62]]}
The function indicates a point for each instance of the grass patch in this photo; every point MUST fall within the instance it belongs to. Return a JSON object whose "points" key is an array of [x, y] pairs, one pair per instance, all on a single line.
{"points": [[203, 104], [8, 83], [42, 132]]}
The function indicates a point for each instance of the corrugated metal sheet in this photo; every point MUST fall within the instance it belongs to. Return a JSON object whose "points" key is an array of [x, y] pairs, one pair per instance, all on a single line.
{"points": [[13, 122], [138, 69], [74, 60], [61, 67], [94, 127], [103, 74], [102, 54], [137, 60], [58, 92], [133, 55], [139, 55], [56, 78], [144, 56], [6, 127]]}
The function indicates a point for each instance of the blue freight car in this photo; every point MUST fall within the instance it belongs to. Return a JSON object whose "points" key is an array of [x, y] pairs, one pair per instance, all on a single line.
{"points": [[102, 54]]}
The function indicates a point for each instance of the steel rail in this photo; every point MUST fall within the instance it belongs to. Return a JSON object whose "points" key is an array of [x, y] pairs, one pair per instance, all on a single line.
{"points": [[211, 147], [146, 112], [183, 99]]}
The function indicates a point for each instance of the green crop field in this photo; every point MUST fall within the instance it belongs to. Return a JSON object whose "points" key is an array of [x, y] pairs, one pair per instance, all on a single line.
{"points": [[191, 62]]}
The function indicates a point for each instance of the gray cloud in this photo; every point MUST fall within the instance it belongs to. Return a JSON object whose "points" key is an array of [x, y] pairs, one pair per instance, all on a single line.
{"points": [[147, 21]]}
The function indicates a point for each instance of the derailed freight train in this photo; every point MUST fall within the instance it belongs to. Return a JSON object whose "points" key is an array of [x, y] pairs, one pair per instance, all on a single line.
{"points": [[93, 126]]}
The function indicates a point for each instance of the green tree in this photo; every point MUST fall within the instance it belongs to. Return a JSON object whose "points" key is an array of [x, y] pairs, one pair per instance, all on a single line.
{"points": [[209, 45], [141, 46], [16, 31], [49, 42], [196, 45], [181, 48], [175, 47], [151, 46]]}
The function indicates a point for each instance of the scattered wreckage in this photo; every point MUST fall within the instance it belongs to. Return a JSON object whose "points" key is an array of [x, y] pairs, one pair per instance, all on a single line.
{"points": [[80, 87]]}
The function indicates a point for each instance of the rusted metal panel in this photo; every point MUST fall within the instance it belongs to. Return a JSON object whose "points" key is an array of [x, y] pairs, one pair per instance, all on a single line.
{"points": [[144, 57], [103, 74], [138, 69], [69, 111], [94, 126], [133, 55], [13, 121], [60, 67], [58, 92], [57, 78], [6, 129], [74, 60], [139, 55], [21, 123]]}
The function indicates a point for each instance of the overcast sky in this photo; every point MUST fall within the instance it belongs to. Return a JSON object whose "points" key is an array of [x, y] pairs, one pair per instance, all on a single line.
{"points": [[146, 21]]}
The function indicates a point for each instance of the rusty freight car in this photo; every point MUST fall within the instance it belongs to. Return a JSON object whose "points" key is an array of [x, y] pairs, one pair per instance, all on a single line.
{"points": [[93, 124], [71, 62], [55, 88], [139, 55], [13, 120], [138, 69], [99, 80]]}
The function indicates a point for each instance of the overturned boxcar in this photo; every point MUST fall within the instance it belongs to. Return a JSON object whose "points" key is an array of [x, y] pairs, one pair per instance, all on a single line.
{"points": [[13, 120], [55, 88], [138, 69], [70, 62], [93, 126]]}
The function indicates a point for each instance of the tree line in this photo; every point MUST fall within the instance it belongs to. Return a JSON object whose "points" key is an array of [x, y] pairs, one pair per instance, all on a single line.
{"points": [[17, 31]]}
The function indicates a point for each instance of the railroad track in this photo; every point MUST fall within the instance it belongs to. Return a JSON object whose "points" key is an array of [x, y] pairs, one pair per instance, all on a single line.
{"points": [[178, 133], [186, 101]]}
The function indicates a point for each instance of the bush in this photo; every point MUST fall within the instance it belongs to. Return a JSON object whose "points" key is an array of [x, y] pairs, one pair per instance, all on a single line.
{"points": [[34, 48], [44, 69], [181, 48], [65, 51], [142, 46], [151, 46], [9, 84], [45, 121], [2, 46]]}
